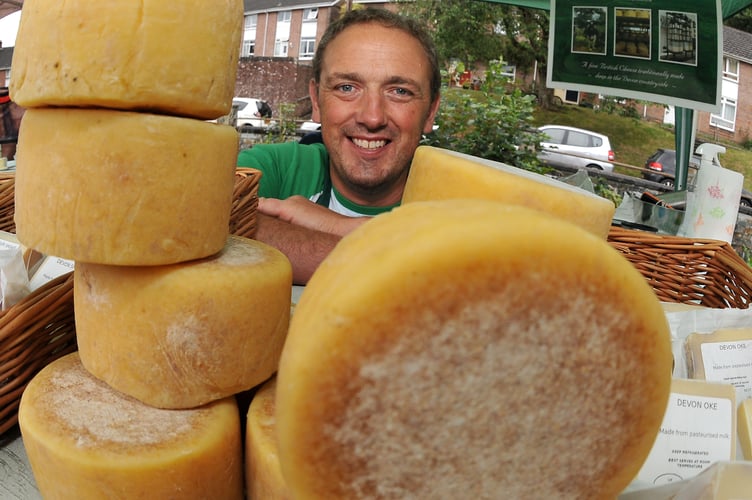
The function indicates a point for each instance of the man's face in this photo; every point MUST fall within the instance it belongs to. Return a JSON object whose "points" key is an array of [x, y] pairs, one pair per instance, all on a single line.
{"points": [[373, 103]]}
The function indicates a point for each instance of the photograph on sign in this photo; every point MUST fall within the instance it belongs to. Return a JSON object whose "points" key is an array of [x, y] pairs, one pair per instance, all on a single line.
{"points": [[663, 51]]}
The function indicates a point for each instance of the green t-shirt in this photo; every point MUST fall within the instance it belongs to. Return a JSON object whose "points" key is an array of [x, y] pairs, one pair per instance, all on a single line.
{"points": [[292, 168]]}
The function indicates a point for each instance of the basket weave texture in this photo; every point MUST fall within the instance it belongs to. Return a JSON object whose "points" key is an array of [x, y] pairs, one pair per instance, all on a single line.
{"points": [[704, 272], [41, 327]]}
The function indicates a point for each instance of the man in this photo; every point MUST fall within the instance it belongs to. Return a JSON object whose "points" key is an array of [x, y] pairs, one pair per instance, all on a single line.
{"points": [[375, 92]]}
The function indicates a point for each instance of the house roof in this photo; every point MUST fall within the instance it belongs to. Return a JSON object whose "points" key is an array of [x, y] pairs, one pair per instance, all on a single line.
{"points": [[737, 44]]}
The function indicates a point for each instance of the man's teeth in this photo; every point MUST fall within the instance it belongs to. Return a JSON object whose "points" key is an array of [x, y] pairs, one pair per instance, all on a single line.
{"points": [[369, 144]]}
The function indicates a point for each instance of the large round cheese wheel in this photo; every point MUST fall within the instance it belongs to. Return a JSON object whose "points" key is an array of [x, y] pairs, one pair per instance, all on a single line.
{"points": [[181, 335], [440, 174], [86, 441], [179, 58], [263, 476], [123, 188], [471, 349]]}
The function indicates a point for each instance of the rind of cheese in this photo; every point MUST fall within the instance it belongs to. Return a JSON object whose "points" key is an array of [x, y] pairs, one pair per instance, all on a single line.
{"points": [[440, 174], [182, 335], [720, 481], [87, 441], [462, 348], [694, 342], [174, 58], [744, 424], [122, 188], [263, 476]]}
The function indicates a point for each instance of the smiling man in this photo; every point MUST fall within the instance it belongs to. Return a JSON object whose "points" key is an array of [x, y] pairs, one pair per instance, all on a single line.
{"points": [[375, 92]]}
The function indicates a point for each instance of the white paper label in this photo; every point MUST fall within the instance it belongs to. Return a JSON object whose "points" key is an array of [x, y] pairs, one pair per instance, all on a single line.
{"points": [[731, 363], [51, 268], [696, 432]]}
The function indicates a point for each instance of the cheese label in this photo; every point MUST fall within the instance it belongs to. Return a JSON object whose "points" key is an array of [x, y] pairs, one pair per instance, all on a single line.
{"points": [[729, 362], [49, 269], [698, 429]]}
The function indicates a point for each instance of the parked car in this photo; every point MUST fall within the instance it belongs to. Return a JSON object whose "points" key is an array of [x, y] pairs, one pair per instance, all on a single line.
{"points": [[661, 167], [252, 112], [575, 147]]}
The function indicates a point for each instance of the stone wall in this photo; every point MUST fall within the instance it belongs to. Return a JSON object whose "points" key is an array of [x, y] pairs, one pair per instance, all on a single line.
{"points": [[275, 80]]}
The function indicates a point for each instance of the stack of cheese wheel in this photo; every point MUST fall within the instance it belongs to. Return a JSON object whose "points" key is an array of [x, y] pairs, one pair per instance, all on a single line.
{"points": [[119, 171], [470, 349]]}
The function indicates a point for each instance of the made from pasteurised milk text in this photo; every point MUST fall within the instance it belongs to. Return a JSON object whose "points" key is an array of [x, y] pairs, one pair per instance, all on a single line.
{"points": [[463, 348]]}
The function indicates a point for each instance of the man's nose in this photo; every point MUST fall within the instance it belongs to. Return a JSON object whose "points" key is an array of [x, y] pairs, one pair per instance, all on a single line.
{"points": [[372, 110]]}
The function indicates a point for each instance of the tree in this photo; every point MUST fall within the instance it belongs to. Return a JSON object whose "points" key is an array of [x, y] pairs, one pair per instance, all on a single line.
{"points": [[461, 30], [741, 21]]}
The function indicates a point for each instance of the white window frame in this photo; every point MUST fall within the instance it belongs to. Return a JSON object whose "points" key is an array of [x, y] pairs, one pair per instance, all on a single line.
{"points": [[251, 21], [310, 14], [249, 47], [307, 48], [730, 69], [284, 16], [280, 48], [726, 120]]}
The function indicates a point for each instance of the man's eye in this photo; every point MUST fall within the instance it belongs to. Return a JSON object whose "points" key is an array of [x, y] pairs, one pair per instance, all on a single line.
{"points": [[403, 92], [345, 88]]}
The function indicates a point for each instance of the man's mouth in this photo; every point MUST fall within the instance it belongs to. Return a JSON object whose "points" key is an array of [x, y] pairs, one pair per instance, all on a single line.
{"points": [[366, 144]]}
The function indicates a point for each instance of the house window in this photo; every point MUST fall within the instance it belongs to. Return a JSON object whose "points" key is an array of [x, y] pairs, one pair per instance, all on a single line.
{"points": [[727, 118], [280, 48], [249, 46], [307, 48], [250, 21], [310, 14], [284, 16], [730, 69]]}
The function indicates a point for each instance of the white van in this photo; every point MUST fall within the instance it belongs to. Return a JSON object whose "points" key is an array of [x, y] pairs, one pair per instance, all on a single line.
{"points": [[252, 112], [575, 147]]}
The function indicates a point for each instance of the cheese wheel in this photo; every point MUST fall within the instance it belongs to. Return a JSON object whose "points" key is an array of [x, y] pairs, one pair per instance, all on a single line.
{"points": [[263, 476], [87, 441], [182, 335], [440, 174], [122, 188], [463, 348], [744, 420], [178, 58]]}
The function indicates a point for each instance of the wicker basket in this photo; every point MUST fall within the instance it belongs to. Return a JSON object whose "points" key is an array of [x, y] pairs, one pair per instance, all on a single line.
{"points": [[34, 332], [41, 327], [245, 202], [687, 270]]}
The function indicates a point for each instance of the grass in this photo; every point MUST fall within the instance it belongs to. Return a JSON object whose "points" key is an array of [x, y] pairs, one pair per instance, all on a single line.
{"points": [[634, 140]]}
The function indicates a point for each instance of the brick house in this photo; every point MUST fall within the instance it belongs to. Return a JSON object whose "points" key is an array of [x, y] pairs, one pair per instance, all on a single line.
{"points": [[279, 40], [734, 121]]}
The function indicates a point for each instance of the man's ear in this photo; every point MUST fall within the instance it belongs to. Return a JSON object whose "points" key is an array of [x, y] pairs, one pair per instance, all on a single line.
{"points": [[428, 126], [314, 94]]}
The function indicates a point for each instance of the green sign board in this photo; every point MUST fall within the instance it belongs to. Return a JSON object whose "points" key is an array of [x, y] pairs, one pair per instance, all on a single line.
{"points": [[664, 51]]}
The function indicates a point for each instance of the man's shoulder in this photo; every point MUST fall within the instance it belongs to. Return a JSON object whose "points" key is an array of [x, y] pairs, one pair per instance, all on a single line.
{"points": [[285, 148]]}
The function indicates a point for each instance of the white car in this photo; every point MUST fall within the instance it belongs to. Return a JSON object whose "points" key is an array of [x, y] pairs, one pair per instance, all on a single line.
{"points": [[252, 112], [575, 147]]}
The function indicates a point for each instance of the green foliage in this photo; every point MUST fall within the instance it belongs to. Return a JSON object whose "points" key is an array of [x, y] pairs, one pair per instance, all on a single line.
{"points": [[741, 21], [461, 30], [490, 123], [284, 126]]}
